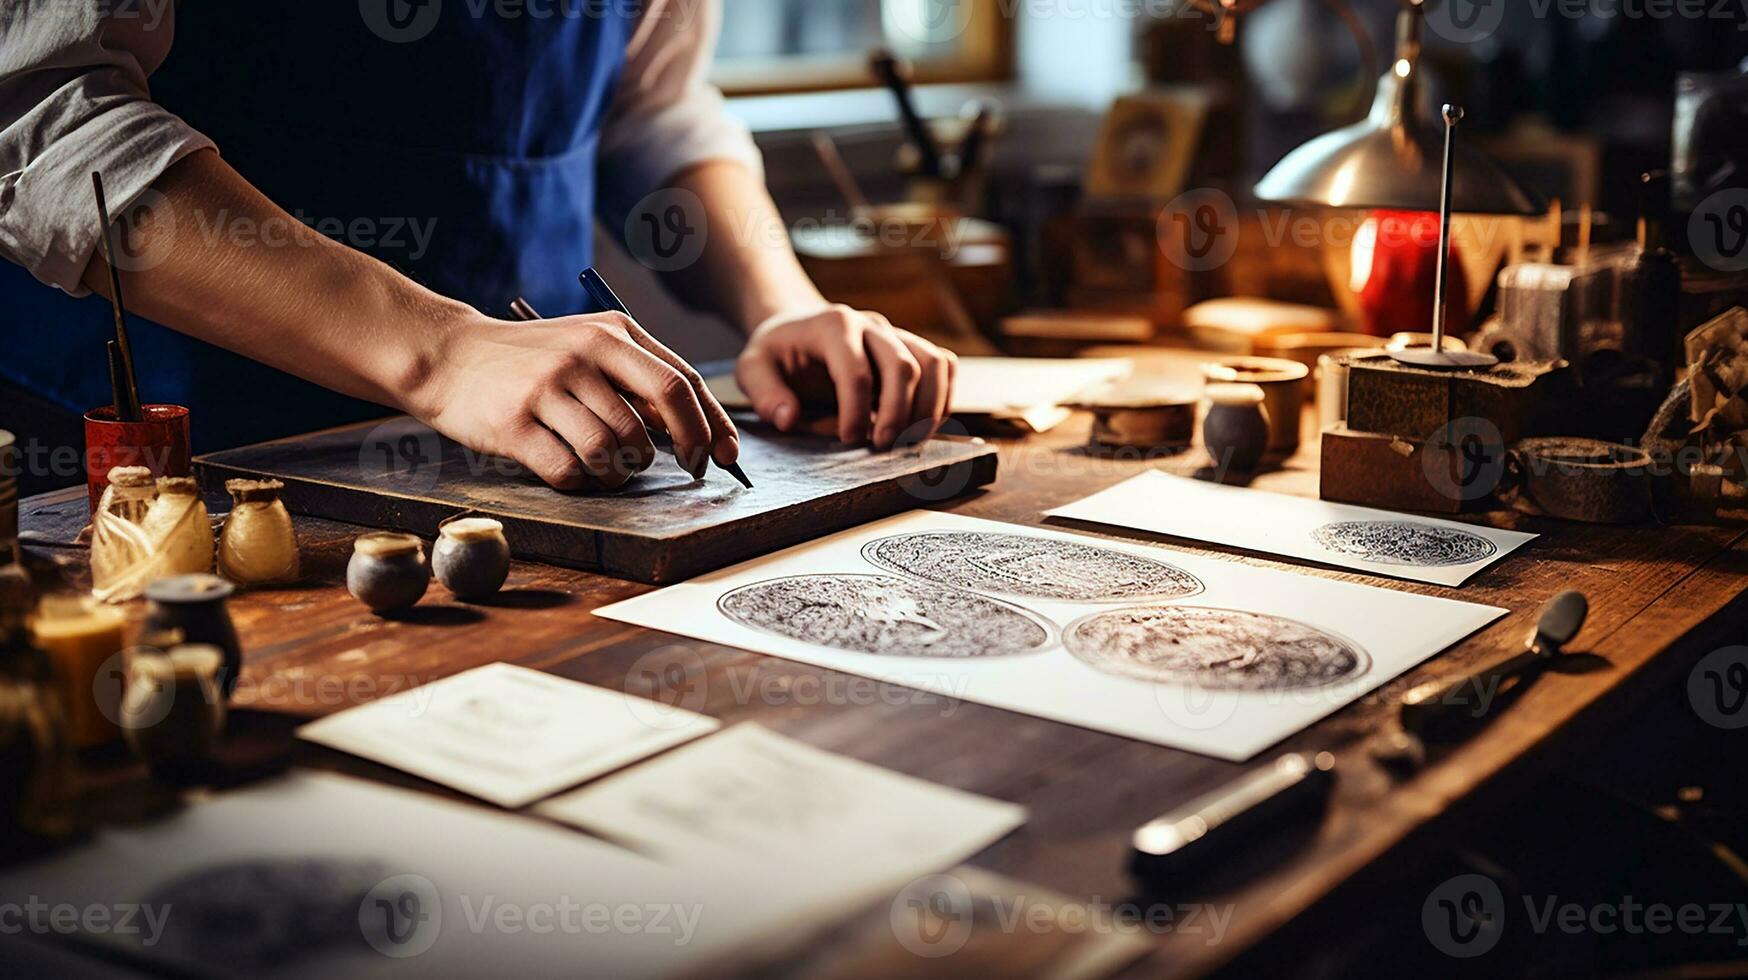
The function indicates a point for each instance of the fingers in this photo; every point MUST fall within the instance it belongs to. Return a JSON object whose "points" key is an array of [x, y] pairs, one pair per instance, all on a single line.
{"points": [[638, 372], [759, 376], [724, 439], [899, 377], [534, 446], [590, 439], [934, 391], [847, 359], [622, 419]]}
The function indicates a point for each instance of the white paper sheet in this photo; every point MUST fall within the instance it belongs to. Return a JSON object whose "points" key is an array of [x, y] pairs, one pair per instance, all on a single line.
{"points": [[1249, 655], [751, 795], [344, 878], [507, 734], [1419, 549], [1007, 386]]}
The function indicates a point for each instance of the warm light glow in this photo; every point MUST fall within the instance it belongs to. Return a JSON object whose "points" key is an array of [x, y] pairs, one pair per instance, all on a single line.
{"points": [[1341, 185], [1365, 246], [1403, 68]]}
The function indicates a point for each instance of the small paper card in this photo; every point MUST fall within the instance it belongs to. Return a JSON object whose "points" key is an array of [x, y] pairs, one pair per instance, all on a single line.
{"points": [[751, 795], [1419, 549], [507, 734]]}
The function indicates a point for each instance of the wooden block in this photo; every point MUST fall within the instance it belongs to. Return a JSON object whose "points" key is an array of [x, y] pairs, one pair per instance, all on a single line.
{"points": [[661, 527], [1381, 470], [1522, 399]]}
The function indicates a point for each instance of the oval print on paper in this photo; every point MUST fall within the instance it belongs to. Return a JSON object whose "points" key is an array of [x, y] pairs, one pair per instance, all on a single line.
{"points": [[1404, 543], [1215, 649], [886, 615], [1029, 567]]}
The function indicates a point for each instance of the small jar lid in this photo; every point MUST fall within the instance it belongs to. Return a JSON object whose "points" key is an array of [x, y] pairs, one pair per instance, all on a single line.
{"points": [[131, 477], [183, 589], [1234, 394], [387, 544], [254, 491], [181, 486], [472, 529]]}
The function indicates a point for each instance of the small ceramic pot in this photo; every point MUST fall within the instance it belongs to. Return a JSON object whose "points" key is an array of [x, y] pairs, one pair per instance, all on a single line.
{"points": [[1236, 428], [173, 712], [194, 606], [471, 557], [388, 572], [1283, 385]]}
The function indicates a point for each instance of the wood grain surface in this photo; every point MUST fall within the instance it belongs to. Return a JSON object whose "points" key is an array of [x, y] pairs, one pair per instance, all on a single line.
{"points": [[1660, 598]]}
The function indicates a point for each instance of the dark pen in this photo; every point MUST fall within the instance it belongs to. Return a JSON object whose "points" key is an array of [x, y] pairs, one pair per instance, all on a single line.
{"points": [[607, 300]]}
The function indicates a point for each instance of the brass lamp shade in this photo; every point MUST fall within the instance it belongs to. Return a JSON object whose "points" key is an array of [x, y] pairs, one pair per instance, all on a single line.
{"points": [[1391, 160]]}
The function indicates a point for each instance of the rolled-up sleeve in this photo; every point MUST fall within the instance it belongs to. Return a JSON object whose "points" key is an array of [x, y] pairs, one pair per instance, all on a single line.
{"points": [[74, 100], [666, 117]]}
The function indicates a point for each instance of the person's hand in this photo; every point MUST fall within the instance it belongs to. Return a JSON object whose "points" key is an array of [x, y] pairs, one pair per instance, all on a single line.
{"points": [[558, 397], [883, 379]]}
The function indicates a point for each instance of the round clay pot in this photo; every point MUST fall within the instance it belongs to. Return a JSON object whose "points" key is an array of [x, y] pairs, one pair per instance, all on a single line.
{"points": [[194, 606], [471, 557], [388, 572], [1236, 429]]}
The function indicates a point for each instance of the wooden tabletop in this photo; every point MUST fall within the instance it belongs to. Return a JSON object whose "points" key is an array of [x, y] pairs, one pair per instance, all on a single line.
{"points": [[1660, 598]]}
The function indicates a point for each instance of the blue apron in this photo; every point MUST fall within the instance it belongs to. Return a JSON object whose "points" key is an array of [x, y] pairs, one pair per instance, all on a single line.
{"points": [[463, 157]]}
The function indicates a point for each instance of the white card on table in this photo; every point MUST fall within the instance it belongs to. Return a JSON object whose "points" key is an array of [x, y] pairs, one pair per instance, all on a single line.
{"points": [[507, 734], [1380, 542], [749, 794], [1198, 653]]}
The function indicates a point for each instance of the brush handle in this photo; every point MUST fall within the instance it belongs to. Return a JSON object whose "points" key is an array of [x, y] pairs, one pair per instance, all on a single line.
{"points": [[127, 389]]}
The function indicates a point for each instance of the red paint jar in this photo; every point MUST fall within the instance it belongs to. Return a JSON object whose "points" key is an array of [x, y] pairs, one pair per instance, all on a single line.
{"points": [[160, 444]]}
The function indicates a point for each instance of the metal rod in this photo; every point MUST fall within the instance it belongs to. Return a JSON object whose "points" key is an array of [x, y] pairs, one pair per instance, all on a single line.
{"points": [[1453, 114], [127, 389]]}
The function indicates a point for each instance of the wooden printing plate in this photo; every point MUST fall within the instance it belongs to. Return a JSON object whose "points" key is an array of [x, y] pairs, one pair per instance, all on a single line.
{"points": [[661, 527]]}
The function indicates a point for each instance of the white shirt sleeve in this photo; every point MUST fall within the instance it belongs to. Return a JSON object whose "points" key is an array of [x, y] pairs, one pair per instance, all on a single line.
{"points": [[74, 100], [666, 116]]}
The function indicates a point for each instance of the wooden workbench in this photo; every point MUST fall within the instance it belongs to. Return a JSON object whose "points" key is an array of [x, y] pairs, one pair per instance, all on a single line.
{"points": [[1660, 597]]}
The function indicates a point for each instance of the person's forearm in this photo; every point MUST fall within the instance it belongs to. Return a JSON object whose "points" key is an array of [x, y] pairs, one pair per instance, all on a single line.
{"points": [[282, 294], [748, 272]]}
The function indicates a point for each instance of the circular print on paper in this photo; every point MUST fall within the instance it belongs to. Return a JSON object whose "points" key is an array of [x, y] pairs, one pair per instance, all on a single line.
{"points": [[1215, 649], [886, 615], [1030, 567], [1404, 543]]}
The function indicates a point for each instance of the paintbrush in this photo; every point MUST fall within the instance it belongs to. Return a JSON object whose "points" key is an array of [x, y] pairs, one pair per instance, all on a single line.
{"points": [[895, 75], [121, 369], [607, 300]]}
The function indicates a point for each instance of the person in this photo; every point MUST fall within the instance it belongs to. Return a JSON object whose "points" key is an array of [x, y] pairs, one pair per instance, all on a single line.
{"points": [[350, 197]]}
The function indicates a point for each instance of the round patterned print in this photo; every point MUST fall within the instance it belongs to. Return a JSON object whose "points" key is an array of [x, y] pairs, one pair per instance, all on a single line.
{"points": [[886, 615], [1030, 567], [1215, 649]]}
